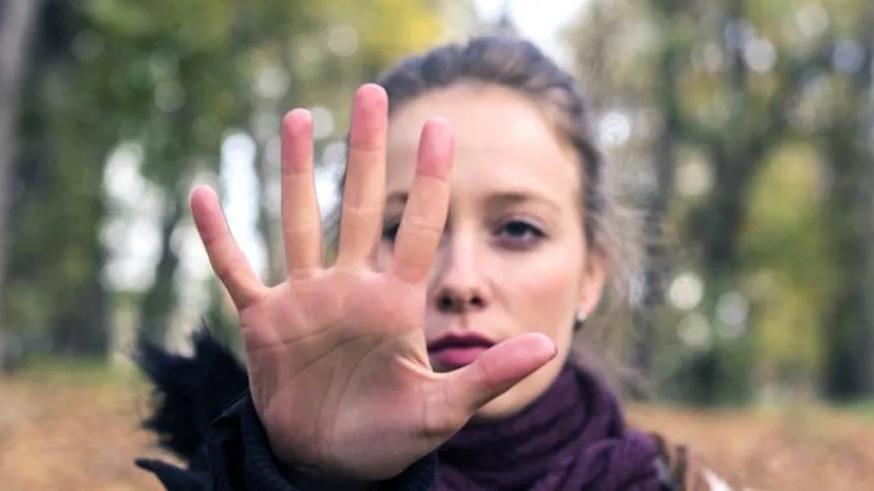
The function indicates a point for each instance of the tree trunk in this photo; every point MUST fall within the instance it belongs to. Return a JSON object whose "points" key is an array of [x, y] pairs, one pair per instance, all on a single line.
{"points": [[655, 256], [849, 332], [160, 300], [17, 25]]}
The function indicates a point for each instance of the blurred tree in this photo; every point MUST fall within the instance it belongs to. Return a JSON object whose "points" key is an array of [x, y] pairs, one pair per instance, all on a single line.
{"points": [[168, 82], [18, 19], [54, 295], [701, 107], [848, 147]]}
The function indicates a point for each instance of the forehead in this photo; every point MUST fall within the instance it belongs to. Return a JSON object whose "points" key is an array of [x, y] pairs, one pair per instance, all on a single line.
{"points": [[502, 140]]}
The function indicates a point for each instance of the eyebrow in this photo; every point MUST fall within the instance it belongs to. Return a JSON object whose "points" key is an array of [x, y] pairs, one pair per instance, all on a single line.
{"points": [[513, 197], [503, 197]]}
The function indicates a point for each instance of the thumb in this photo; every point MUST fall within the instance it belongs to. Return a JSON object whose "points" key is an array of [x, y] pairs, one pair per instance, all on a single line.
{"points": [[498, 369]]}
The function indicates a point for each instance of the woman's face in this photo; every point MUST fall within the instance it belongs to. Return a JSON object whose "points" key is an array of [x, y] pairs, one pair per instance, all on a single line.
{"points": [[513, 258]]}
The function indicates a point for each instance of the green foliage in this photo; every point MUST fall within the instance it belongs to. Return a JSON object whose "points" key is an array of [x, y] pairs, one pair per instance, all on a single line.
{"points": [[748, 123], [747, 140], [174, 78], [788, 271]]}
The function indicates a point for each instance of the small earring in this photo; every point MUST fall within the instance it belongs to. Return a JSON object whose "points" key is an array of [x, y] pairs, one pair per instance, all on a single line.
{"points": [[580, 319]]}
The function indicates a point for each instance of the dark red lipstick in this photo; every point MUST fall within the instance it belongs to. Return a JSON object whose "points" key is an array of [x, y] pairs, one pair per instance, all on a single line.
{"points": [[457, 349]]}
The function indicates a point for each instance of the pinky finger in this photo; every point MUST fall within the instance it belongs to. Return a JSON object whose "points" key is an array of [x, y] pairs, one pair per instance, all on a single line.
{"points": [[226, 258]]}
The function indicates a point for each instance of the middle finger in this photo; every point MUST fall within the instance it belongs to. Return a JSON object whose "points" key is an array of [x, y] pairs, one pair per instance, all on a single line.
{"points": [[364, 189]]}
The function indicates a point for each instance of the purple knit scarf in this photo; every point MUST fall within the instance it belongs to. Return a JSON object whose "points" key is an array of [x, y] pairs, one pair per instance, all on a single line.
{"points": [[571, 438]]}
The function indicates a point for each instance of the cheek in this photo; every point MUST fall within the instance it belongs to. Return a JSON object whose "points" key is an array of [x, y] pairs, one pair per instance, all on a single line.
{"points": [[544, 292]]}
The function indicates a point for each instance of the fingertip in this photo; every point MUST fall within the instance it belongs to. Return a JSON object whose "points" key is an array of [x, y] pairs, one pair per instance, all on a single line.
{"points": [[438, 123], [297, 121], [372, 92], [203, 201], [436, 148], [533, 345], [296, 141], [543, 344], [200, 196], [438, 128], [369, 118], [370, 103]]}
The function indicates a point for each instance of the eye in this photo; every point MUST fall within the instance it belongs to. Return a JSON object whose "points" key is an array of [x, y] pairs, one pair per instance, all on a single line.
{"points": [[519, 233]]}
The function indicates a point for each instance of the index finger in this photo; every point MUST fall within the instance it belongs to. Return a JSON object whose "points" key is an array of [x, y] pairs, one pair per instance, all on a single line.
{"points": [[301, 228]]}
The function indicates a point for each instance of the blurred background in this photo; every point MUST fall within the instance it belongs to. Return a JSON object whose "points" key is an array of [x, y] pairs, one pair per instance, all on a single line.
{"points": [[741, 132]]}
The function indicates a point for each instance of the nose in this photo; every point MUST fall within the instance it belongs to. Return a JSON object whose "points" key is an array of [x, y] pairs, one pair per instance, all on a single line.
{"points": [[458, 285]]}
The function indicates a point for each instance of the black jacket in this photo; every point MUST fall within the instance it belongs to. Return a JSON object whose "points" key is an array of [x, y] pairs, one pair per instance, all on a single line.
{"points": [[205, 415]]}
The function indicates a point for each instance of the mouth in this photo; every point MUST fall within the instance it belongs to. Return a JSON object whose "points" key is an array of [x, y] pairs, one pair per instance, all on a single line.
{"points": [[456, 350]]}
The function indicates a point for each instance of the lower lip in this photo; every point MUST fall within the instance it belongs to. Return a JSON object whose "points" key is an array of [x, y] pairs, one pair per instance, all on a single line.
{"points": [[458, 357]]}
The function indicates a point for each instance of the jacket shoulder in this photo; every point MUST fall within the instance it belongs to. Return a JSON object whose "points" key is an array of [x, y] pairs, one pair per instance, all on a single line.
{"points": [[189, 392]]}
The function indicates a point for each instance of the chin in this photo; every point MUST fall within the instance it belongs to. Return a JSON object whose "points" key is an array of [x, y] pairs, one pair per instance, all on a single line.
{"points": [[504, 406], [522, 394]]}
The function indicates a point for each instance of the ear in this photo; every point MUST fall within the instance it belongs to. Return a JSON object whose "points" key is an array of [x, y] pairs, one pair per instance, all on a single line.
{"points": [[593, 281]]}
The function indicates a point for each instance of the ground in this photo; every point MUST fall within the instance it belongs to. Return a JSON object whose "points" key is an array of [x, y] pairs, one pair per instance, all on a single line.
{"points": [[63, 428]]}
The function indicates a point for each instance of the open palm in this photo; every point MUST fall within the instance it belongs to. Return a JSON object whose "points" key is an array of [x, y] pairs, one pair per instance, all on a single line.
{"points": [[337, 360]]}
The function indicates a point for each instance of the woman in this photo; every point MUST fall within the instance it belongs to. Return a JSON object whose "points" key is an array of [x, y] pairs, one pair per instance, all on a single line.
{"points": [[474, 235]]}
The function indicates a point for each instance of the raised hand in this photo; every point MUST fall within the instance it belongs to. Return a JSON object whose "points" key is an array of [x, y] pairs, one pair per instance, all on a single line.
{"points": [[338, 365]]}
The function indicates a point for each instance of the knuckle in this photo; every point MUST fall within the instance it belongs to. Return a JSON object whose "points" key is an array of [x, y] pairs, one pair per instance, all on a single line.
{"points": [[424, 235], [423, 225], [209, 239], [225, 270], [364, 148]]}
